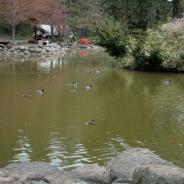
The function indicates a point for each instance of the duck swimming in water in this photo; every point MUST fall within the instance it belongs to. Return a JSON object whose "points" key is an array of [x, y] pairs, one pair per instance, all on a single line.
{"points": [[98, 71], [90, 122], [167, 82], [75, 85], [40, 92], [69, 84], [89, 87], [26, 94]]}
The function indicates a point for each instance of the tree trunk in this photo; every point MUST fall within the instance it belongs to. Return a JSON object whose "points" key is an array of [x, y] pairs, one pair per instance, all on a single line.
{"points": [[125, 10], [177, 9], [35, 33], [148, 19], [13, 24], [52, 32], [13, 32]]}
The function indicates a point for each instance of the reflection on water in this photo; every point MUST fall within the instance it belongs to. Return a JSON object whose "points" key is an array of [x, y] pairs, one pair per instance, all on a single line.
{"points": [[50, 64], [131, 109], [60, 157], [22, 148]]}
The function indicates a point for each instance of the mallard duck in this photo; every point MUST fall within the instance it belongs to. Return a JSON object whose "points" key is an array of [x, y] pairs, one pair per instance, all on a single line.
{"points": [[90, 122], [69, 84], [89, 87], [167, 82], [26, 94], [98, 71], [75, 85], [40, 92]]}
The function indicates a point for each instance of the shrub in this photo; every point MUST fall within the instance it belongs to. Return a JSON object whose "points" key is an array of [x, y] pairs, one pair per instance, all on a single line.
{"points": [[159, 50], [112, 36]]}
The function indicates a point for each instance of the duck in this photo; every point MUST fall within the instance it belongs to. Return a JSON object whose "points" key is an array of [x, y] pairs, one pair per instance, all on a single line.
{"points": [[98, 71], [75, 85], [90, 122], [167, 82], [69, 84], [26, 94], [89, 87], [40, 92]]}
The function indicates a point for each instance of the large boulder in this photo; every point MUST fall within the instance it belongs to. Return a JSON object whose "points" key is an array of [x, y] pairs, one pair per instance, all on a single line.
{"points": [[29, 169], [158, 174], [34, 173], [38, 173], [2, 46], [124, 165], [91, 173]]}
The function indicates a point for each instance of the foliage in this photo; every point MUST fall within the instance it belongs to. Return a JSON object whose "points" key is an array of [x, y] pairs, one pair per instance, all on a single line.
{"points": [[14, 12], [112, 36], [83, 16], [157, 50]]}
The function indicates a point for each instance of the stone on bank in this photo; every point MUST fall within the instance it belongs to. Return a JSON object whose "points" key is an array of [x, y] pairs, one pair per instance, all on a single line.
{"points": [[158, 174], [124, 165], [132, 166]]}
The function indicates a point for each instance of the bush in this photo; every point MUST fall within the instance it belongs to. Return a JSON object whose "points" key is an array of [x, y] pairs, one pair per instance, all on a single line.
{"points": [[112, 36], [153, 50], [159, 50]]}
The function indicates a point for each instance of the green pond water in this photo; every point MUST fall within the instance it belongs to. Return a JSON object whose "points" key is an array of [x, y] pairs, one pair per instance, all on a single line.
{"points": [[131, 109]]}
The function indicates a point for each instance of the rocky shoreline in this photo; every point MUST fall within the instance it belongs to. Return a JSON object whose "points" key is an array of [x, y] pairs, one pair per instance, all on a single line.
{"points": [[132, 166], [29, 50]]}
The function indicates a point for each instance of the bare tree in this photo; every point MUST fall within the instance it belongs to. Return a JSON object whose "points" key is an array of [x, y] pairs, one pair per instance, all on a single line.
{"points": [[13, 12], [47, 12]]}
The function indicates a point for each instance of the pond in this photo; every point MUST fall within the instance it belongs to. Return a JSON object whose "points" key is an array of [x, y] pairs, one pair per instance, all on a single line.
{"points": [[130, 109]]}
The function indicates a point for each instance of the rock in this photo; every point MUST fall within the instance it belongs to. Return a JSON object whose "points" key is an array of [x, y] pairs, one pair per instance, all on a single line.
{"points": [[123, 165], [91, 173], [121, 181], [158, 174], [6, 179], [22, 48], [47, 50], [9, 46], [36, 180], [30, 49], [35, 173], [26, 52], [61, 178], [37, 50], [1, 173], [29, 169], [12, 50], [2, 46]]}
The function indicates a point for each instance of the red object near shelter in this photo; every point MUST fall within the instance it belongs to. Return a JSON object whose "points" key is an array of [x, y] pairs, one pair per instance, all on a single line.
{"points": [[84, 41]]}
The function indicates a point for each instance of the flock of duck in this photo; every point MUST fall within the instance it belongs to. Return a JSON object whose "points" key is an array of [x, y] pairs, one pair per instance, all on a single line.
{"points": [[75, 87], [39, 92]]}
